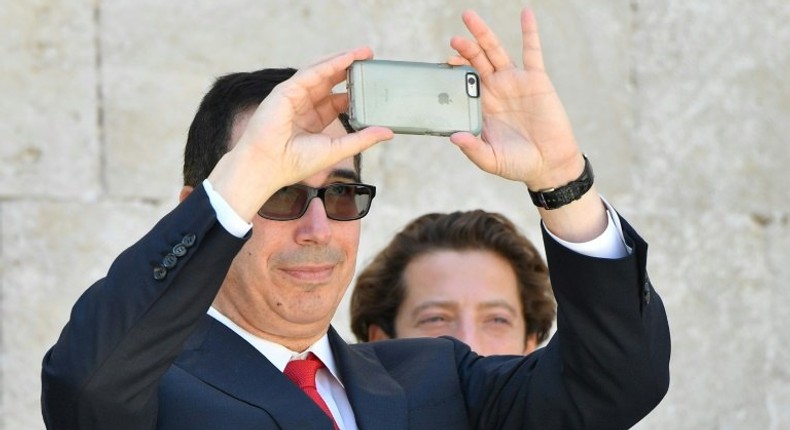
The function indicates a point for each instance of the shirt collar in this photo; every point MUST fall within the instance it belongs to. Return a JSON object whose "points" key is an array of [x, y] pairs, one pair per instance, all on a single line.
{"points": [[277, 354]]}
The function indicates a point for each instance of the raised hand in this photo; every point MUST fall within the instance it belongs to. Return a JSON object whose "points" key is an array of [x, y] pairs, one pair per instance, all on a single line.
{"points": [[283, 142], [526, 133]]}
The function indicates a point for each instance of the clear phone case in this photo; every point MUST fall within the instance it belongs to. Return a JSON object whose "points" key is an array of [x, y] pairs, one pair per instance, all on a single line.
{"points": [[414, 98]]}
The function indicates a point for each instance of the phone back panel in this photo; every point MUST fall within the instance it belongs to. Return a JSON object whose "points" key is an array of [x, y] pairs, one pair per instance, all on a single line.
{"points": [[413, 98]]}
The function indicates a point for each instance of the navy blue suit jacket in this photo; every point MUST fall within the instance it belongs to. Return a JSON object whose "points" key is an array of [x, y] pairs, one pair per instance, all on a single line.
{"points": [[139, 352]]}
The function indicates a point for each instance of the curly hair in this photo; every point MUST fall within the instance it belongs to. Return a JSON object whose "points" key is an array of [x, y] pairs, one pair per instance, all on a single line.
{"points": [[380, 288]]}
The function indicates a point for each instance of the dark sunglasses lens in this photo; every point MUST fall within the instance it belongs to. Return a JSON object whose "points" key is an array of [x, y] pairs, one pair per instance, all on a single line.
{"points": [[345, 202], [287, 203]]}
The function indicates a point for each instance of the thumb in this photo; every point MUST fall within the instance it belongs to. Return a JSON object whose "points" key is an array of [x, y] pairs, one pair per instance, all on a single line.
{"points": [[354, 143], [476, 150]]}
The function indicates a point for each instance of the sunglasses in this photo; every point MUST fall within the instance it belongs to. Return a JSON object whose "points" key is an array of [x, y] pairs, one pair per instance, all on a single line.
{"points": [[342, 201]]}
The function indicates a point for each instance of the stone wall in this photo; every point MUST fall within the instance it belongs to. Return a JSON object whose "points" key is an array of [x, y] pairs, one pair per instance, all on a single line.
{"points": [[682, 107]]}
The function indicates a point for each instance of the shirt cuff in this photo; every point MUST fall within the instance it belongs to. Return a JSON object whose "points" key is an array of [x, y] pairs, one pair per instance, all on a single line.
{"points": [[227, 217], [610, 243]]}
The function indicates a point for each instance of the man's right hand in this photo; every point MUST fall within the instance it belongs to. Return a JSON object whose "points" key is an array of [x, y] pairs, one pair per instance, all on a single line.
{"points": [[283, 142]]}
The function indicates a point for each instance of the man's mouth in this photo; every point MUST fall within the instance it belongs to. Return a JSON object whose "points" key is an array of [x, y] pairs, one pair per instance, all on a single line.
{"points": [[311, 273]]}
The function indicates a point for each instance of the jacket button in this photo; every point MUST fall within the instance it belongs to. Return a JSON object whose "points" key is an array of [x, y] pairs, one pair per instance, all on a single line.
{"points": [[189, 240], [159, 273], [180, 250], [169, 261]]}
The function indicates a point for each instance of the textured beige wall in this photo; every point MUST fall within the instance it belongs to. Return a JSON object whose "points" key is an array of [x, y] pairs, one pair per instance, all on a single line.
{"points": [[681, 105]]}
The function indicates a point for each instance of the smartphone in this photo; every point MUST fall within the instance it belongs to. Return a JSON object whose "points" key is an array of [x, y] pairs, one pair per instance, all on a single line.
{"points": [[414, 98]]}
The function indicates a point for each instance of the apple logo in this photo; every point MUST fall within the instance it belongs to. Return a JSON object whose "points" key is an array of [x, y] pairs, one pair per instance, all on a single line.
{"points": [[444, 99]]}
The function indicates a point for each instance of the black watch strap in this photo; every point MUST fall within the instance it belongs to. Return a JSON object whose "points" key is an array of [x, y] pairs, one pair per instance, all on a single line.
{"points": [[554, 198]]}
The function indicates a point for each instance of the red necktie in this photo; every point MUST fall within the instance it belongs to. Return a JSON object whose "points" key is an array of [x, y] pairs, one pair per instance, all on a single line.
{"points": [[302, 373]]}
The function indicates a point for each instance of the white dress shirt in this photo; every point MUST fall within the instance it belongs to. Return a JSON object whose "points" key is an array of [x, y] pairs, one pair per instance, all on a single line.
{"points": [[327, 381]]}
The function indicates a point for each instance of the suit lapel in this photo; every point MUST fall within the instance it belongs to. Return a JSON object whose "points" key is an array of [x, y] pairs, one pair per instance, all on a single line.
{"points": [[222, 359], [379, 402]]}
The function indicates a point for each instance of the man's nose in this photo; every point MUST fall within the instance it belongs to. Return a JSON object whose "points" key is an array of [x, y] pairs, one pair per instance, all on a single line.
{"points": [[467, 332], [314, 225]]}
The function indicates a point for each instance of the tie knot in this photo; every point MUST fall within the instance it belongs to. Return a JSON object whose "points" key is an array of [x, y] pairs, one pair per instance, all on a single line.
{"points": [[302, 372]]}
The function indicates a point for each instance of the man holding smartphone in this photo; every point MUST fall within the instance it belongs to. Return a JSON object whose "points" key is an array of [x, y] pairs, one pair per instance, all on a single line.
{"points": [[219, 318]]}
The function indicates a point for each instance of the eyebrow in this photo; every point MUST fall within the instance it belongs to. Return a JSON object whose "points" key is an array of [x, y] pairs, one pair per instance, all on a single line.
{"points": [[344, 174]]}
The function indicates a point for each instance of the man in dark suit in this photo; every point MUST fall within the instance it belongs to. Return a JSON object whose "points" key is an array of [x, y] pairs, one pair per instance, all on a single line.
{"points": [[201, 323]]}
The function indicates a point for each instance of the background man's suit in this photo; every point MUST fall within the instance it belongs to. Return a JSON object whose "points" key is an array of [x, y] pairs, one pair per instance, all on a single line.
{"points": [[139, 352]]}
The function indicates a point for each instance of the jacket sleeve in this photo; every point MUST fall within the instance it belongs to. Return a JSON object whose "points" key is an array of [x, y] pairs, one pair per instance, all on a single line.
{"points": [[606, 367], [126, 329]]}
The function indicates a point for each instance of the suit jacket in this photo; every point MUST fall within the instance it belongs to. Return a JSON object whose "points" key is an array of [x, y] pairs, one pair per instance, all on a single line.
{"points": [[139, 352]]}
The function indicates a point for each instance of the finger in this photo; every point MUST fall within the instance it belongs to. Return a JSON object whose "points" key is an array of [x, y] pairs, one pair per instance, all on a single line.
{"points": [[487, 40], [339, 103], [321, 77], [457, 60], [354, 143], [310, 86], [463, 139], [335, 69], [472, 53], [476, 150], [531, 52], [335, 55], [358, 53], [329, 108]]}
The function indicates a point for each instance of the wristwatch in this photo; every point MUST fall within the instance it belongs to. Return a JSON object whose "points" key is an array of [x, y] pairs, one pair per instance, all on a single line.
{"points": [[553, 198]]}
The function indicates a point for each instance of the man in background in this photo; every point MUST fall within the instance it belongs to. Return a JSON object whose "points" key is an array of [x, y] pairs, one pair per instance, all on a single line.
{"points": [[470, 275]]}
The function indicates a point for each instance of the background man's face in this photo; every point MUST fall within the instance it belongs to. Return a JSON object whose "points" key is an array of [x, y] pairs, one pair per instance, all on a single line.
{"points": [[470, 295]]}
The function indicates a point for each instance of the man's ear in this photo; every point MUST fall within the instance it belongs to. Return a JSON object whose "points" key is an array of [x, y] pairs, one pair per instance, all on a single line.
{"points": [[531, 343], [186, 190], [376, 333]]}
